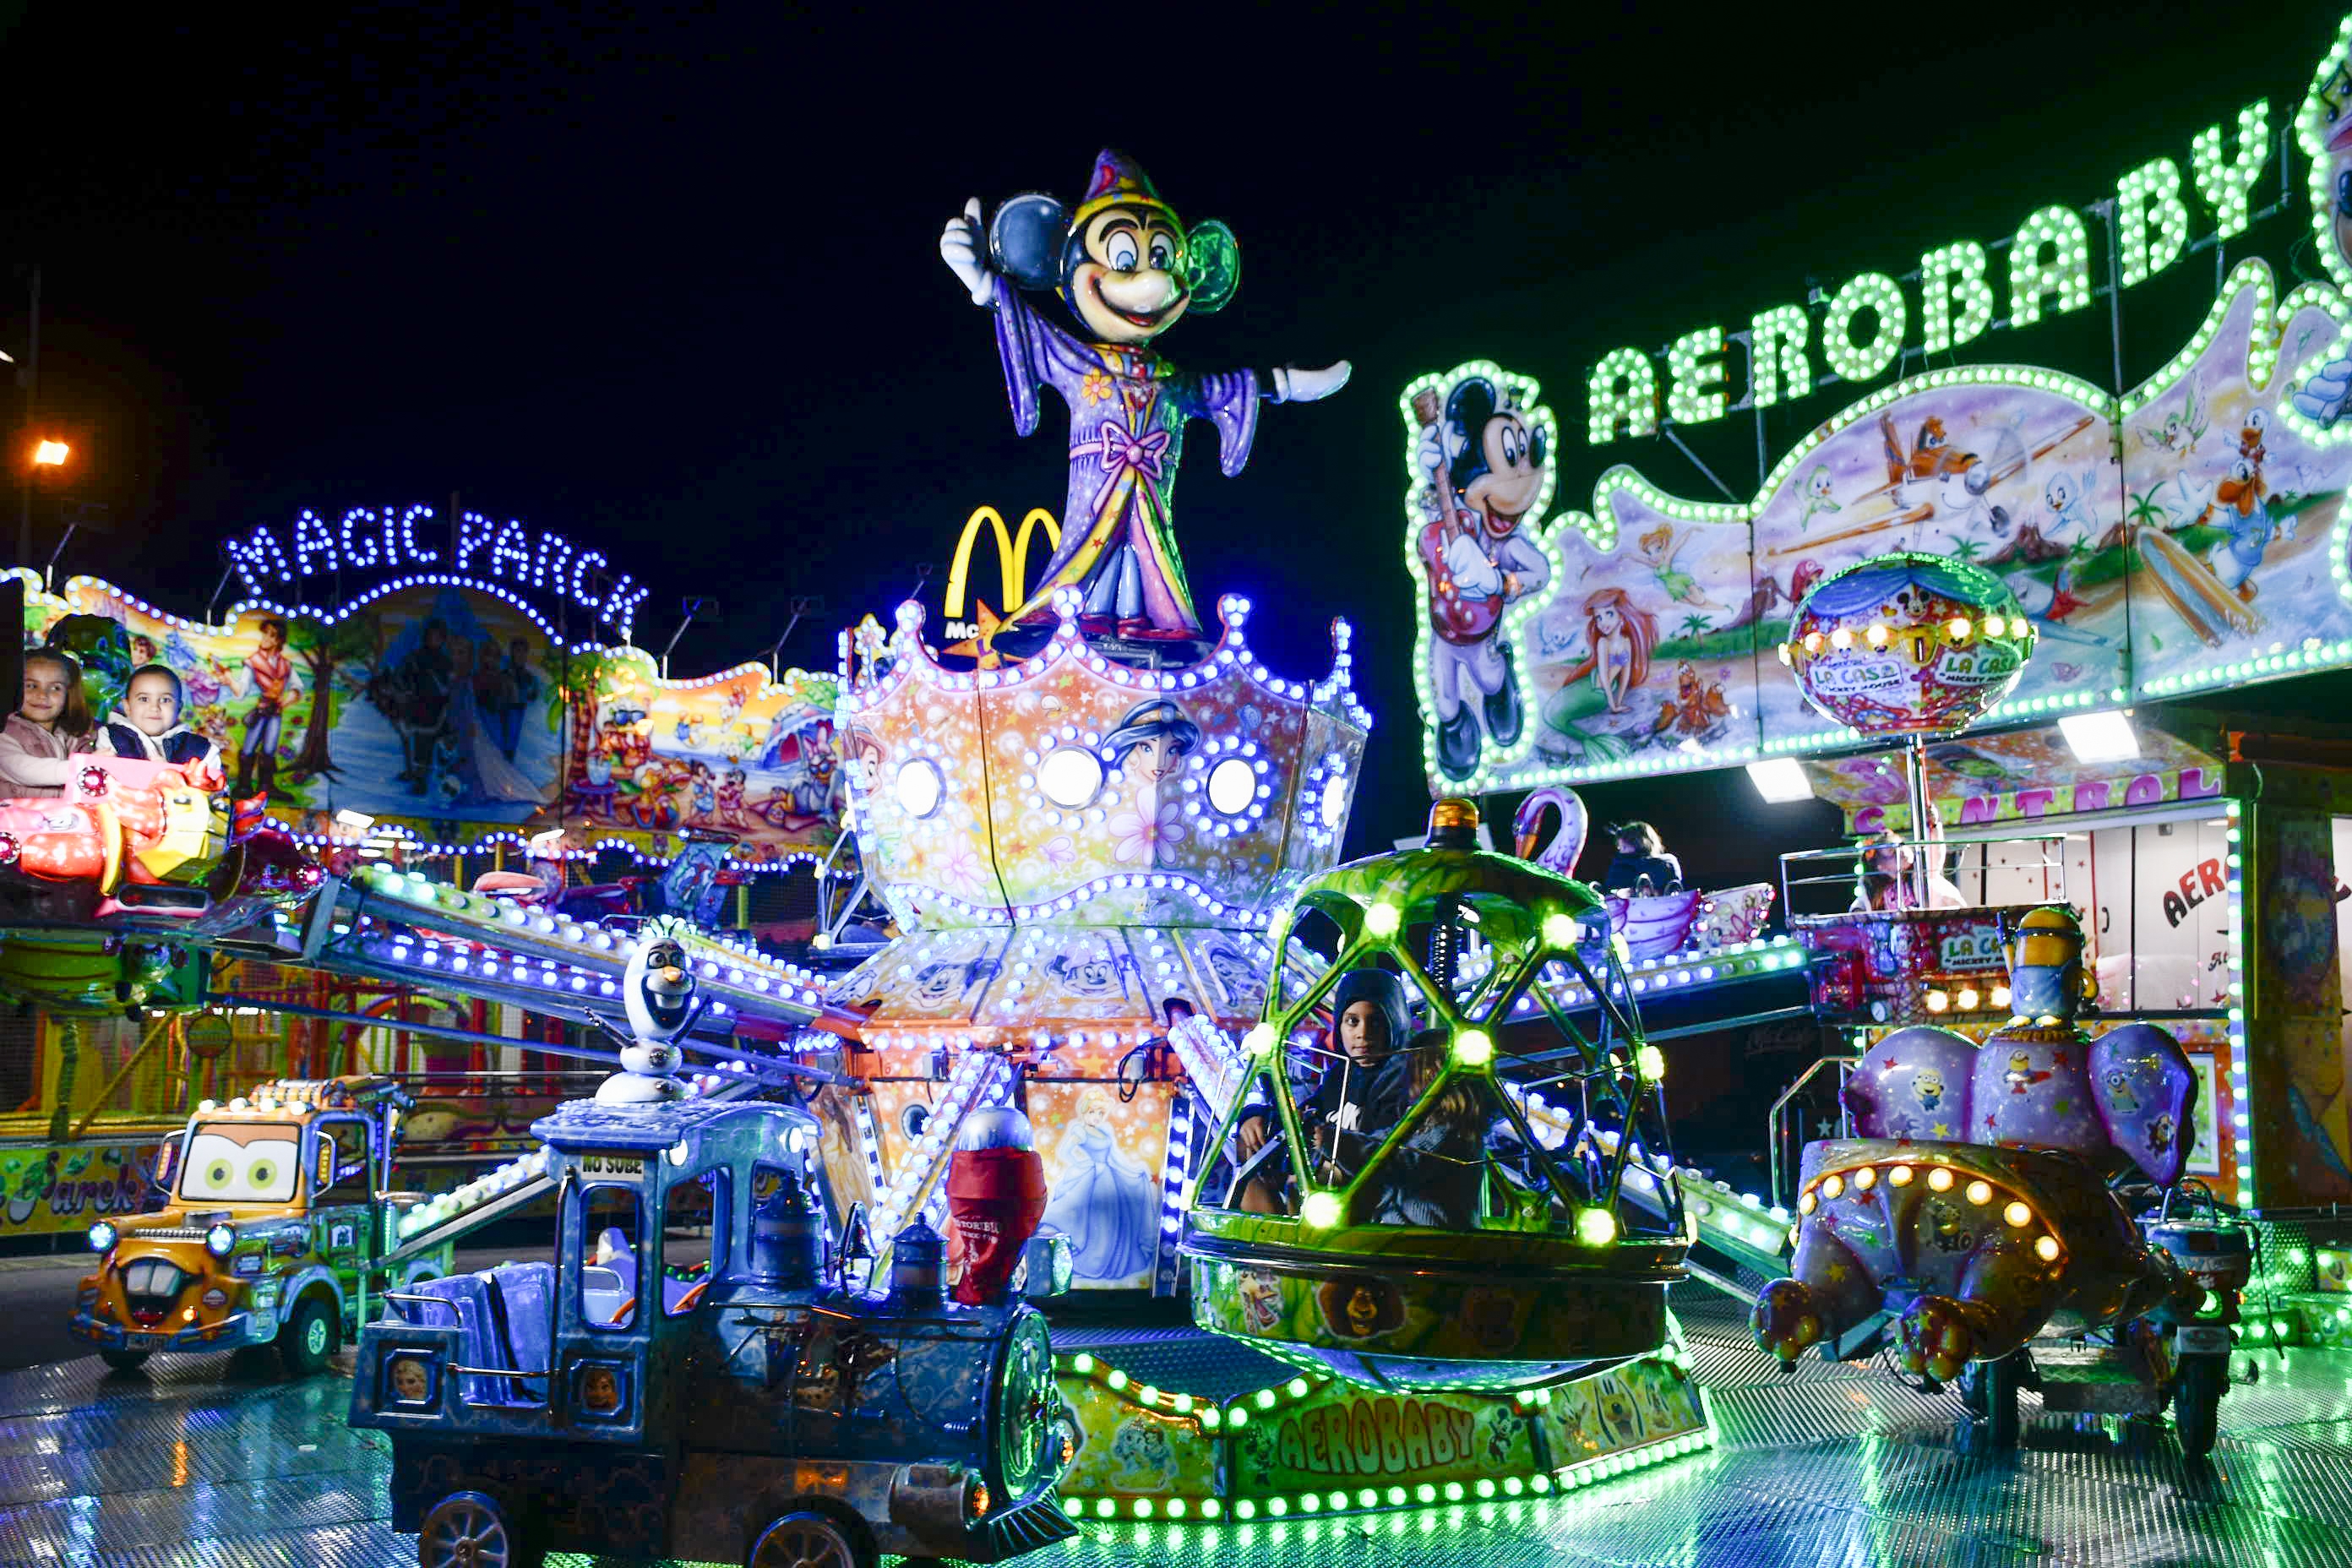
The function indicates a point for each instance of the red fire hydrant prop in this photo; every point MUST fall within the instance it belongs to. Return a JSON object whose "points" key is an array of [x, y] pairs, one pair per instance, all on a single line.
{"points": [[996, 1195]]}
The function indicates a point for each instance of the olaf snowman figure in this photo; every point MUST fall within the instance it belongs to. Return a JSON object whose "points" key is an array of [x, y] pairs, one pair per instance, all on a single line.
{"points": [[657, 990]]}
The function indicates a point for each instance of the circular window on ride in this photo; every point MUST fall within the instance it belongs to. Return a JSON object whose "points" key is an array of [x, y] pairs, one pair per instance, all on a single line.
{"points": [[1070, 776], [1332, 805], [919, 787], [1233, 785]]}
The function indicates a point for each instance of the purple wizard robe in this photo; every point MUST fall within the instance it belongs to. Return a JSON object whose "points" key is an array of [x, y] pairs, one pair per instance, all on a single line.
{"points": [[1128, 409]]}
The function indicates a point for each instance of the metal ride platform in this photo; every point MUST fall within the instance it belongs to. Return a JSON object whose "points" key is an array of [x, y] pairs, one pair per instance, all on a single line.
{"points": [[198, 1461]]}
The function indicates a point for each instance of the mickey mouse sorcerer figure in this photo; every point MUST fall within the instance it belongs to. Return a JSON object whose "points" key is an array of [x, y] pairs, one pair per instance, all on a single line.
{"points": [[1128, 268]]}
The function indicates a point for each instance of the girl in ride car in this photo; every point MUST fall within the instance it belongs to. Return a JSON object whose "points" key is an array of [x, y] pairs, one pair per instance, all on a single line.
{"points": [[49, 725]]}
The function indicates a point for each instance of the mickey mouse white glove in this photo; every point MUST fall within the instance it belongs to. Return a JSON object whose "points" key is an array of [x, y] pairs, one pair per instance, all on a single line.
{"points": [[963, 245], [1468, 566], [1430, 454], [1292, 384]]}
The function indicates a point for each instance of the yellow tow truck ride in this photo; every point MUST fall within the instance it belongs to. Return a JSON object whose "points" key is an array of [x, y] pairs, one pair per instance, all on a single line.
{"points": [[280, 1210]]}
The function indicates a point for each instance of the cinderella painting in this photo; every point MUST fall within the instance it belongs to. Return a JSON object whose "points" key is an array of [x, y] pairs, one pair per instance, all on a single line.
{"points": [[1103, 1202]]}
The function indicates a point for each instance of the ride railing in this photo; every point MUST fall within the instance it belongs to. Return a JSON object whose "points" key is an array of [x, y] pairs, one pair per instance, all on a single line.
{"points": [[1785, 1133], [1886, 874]]}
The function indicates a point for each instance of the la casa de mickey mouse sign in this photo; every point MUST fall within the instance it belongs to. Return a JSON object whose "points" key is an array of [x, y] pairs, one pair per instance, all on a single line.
{"points": [[371, 540]]}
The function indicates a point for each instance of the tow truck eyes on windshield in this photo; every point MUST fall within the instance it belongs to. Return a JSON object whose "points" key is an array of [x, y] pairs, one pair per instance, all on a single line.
{"points": [[241, 1164]]}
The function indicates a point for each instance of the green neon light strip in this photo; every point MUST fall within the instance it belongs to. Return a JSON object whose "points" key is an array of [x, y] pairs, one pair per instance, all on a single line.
{"points": [[1275, 1511], [2313, 129]]}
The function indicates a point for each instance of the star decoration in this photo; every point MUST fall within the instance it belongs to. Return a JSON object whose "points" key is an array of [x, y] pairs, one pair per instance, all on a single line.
{"points": [[2057, 1058], [979, 645], [1943, 1130], [1992, 1118]]}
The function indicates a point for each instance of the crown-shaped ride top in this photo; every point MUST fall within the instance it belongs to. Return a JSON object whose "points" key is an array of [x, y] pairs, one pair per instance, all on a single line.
{"points": [[1074, 788]]}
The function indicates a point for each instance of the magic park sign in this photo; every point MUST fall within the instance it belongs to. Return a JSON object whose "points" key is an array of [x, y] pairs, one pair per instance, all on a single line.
{"points": [[373, 548]]}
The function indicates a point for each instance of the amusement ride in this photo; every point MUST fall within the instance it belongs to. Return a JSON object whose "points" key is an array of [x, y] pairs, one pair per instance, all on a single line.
{"points": [[1377, 1157]]}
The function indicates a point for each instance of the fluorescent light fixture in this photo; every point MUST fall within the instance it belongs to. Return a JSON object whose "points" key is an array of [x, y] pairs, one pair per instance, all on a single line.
{"points": [[2105, 737], [360, 820], [1780, 780]]}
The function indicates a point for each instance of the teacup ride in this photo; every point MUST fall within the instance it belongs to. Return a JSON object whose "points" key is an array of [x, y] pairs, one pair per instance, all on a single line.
{"points": [[1654, 925], [1453, 1246]]}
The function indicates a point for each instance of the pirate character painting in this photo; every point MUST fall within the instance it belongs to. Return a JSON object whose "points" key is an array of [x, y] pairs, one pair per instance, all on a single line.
{"points": [[1128, 268]]}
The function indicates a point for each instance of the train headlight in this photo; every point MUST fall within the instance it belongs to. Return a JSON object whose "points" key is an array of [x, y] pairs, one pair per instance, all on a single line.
{"points": [[102, 1236], [221, 1239]]}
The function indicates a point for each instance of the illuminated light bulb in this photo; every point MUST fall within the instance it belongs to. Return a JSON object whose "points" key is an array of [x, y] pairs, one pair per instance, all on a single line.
{"points": [[1812, 642], [1783, 650], [1876, 633], [1259, 1040], [1900, 1175], [1938, 1002], [1957, 628], [2018, 1215], [1841, 639], [1833, 1186], [1866, 1178], [1968, 999], [1979, 1192], [2000, 995], [1596, 1227], [1559, 930], [1474, 1047], [1939, 1179], [1652, 1064], [1321, 1210], [1383, 920], [2046, 1248]]}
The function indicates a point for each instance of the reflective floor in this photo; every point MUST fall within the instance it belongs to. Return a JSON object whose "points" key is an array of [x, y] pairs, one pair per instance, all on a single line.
{"points": [[202, 1462]]}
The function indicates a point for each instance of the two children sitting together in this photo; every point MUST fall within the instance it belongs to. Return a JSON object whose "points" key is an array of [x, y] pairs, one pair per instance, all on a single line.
{"points": [[51, 728]]}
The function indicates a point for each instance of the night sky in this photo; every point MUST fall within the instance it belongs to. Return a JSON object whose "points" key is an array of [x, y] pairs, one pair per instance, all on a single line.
{"points": [[669, 283]]}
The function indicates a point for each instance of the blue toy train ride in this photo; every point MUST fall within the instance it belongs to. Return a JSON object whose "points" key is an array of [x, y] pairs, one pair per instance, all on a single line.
{"points": [[694, 1377]]}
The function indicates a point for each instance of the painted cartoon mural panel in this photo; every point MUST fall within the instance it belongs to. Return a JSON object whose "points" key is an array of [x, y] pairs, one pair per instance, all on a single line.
{"points": [[1650, 642], [737, 754], [1102, 1160], [448, 705], [1995, 472], [2237, 509], [2159, 542]]}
